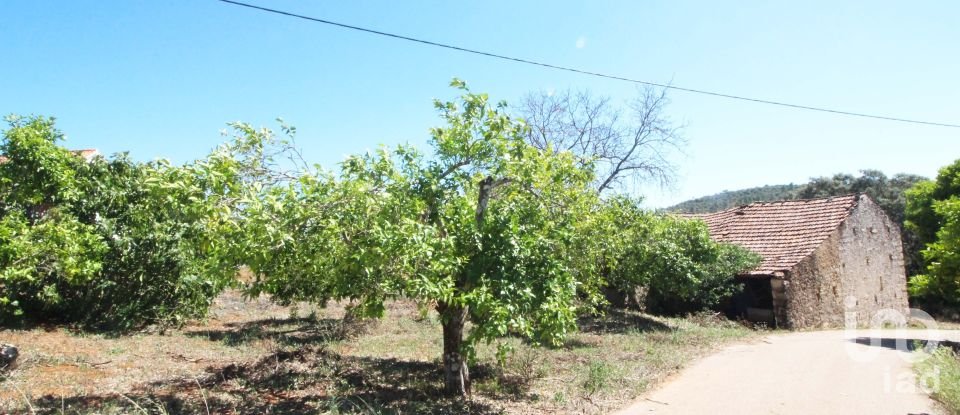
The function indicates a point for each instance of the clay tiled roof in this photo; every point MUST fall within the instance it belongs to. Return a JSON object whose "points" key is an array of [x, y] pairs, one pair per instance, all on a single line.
{"points": [[783, 233]]}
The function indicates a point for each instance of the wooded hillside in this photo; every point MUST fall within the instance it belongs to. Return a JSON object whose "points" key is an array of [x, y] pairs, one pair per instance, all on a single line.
{"points": [[733, 198]]}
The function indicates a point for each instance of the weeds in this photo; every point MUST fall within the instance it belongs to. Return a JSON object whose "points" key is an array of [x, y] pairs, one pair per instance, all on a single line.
{"points": [[939, 374], [26, 399], [135, 405], [206, 405], [599, 375], [338, 406]]}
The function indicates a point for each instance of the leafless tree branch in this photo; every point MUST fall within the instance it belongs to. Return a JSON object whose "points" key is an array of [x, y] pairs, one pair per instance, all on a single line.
{"points": [[635, 143]]}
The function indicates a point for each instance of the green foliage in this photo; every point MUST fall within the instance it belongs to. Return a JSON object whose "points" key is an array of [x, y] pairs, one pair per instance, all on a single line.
{"points": [[42, 265], [671, 257], [599, 377], [42, 172], [888, 193], [487, 224], [107, 243], [922, 217], [500, 237], [939, 373], [933, 212]]}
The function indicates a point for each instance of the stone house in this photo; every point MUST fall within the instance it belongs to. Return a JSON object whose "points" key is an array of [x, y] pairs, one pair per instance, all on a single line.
{"points": [[822, 259]]}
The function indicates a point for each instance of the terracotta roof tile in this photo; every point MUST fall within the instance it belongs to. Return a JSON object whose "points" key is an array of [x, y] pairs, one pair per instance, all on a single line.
{"points": [[86, 153], [783, 233]]}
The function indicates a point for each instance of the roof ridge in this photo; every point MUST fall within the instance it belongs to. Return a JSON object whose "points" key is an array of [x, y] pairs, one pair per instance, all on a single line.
{"points": [[813, 199], [783, 232]]}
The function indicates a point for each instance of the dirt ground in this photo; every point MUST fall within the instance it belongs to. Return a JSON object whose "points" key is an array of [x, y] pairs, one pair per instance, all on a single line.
{"points": [[252, 356], [55, 362]]}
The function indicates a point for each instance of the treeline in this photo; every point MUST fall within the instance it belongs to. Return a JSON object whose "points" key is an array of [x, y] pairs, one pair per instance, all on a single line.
{"points": [[733, 198], [500, 237], [888, 192]]}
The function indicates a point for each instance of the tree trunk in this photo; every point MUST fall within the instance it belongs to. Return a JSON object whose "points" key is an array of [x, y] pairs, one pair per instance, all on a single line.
{"points": [[456, 374]]}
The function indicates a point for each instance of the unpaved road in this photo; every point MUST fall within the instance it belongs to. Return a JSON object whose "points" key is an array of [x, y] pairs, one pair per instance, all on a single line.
{"points": [[823, 372]]}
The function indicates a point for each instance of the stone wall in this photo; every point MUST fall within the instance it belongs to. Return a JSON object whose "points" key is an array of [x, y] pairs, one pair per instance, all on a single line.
{"points": [[871, 258], [813, 289], [862, 259]]}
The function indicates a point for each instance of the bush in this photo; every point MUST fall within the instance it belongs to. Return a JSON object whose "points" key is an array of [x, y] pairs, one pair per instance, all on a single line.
{"points": [[671, 258], [105, 243], [933, 212], [939, 373], [42, 265]]}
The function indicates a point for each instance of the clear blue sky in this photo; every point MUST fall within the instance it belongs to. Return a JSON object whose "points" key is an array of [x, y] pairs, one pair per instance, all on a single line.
{"points": [[161, 78]]}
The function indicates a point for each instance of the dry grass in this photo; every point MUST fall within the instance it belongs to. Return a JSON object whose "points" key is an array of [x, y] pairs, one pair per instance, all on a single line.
{"points": [[256, 357]]}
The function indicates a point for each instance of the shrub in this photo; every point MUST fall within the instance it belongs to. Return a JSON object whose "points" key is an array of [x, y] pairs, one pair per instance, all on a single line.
{"points": [[671, 258], [939, 373], [599, 376], [42, 265], [933, 212], [106, 243]]}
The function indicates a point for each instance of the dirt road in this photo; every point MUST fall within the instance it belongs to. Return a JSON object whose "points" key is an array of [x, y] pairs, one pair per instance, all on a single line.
{"points": [[824, 372]]}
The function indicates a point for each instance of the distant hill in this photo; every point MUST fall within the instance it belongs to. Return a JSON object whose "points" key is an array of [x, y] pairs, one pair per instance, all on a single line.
{"points": [[733, 198]]}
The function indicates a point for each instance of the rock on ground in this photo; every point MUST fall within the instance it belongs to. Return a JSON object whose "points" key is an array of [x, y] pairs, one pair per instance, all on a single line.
{"points": [[8, 357]]}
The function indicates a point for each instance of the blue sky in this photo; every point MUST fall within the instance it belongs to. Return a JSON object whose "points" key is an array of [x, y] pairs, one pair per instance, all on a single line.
{"points": [[162, 78]]}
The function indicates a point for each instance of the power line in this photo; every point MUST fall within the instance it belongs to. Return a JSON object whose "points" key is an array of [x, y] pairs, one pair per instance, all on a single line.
{"points": [[585, 72]]}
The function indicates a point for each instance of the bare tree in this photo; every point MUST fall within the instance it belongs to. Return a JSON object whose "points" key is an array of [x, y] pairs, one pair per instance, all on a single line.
{"points": [[635, 143]]}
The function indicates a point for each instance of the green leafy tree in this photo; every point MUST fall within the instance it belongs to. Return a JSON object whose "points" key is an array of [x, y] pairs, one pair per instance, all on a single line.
{"points": [[486, 230], [921, 213], [888, 193], [45, 252], [921, 218], [940, 285], [109, 243], [36, 172], [933, 213], [669, 258], [42, 264]]}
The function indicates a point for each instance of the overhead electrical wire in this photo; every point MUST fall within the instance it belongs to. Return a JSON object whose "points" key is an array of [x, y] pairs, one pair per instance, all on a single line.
{"points": [[589, 73]]}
